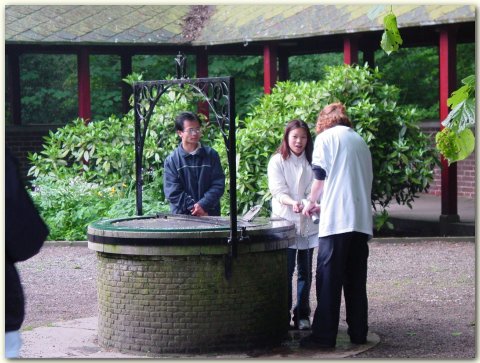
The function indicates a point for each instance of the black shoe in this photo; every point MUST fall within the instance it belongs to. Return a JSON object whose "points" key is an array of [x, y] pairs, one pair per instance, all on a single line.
{"points": [[358, 341], [311, 342]]}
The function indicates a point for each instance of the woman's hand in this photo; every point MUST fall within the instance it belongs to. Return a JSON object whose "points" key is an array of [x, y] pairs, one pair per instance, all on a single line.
{"points": [[297, 207]]}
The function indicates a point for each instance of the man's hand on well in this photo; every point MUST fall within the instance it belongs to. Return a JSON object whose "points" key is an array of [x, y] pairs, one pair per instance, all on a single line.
{"points": [[198, 211]]}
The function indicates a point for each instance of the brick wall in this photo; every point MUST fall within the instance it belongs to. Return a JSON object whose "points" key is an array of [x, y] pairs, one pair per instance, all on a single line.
{"points": [[184, 304], [465, 178]]}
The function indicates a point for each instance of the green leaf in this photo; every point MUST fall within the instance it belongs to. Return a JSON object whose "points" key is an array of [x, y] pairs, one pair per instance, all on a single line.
{"points": [[455, 146], [462, 116], [458, 96], [466, 144], [391, 39], [469, 81]]}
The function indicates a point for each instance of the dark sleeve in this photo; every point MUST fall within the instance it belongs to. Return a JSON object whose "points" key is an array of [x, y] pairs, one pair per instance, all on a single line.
{"points": [[25, 230], [217, 187], [174, 189], [318, 172]]}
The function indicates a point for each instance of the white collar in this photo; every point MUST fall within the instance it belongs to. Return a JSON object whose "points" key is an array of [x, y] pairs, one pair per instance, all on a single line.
{"points": [[298, 158], [196, 150]]}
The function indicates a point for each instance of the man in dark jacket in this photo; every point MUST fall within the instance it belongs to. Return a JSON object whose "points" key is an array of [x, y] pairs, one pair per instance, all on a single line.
{"points": [[25, 233], [194, 180]]}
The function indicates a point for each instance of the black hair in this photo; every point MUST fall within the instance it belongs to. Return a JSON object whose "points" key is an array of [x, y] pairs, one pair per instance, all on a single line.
{"points": [[182, 116], [284, 149]]}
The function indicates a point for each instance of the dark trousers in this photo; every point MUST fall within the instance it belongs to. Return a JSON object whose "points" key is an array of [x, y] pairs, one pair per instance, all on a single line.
{"points": [[303, 260], [341, 262]]}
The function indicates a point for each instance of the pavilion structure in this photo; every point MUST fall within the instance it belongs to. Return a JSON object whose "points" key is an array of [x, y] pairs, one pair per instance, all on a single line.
{"points": [[275, 31]]}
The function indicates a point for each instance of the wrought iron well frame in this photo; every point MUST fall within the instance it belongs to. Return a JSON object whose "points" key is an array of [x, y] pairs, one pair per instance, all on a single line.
{"points": [[219, 94]]}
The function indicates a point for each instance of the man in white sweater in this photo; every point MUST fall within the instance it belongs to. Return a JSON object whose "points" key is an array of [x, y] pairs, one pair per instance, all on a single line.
{"points": [[342, 167]]}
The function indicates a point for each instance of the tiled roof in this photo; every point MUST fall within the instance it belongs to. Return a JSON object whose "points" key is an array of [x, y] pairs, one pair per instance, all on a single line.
{"points": [[150, 24], [153, 24], [232, 24]]}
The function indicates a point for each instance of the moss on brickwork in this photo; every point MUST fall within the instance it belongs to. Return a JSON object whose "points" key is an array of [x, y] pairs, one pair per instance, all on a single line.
{"points": [[184, 304]]}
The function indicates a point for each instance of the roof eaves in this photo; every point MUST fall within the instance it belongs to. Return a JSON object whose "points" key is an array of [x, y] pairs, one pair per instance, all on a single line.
{"points": [[298, 35]]}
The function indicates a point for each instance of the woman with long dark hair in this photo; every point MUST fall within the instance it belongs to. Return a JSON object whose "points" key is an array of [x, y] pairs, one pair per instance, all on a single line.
{"points": [[289, 179]]}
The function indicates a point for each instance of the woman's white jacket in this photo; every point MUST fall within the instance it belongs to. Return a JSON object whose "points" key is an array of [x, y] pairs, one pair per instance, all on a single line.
{"points": [[292, 177]]}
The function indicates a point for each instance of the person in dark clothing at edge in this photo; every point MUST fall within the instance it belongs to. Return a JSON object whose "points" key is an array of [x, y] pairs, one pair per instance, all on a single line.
{"points": [[25, 233], [194, 180]]}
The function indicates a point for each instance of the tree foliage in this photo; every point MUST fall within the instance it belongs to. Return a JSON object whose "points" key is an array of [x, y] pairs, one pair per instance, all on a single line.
{"points": [[415, 72], [248, 74], [105, 85], [311, 67], [403, 158], [53, 100], [456, 141], [47, 99]]}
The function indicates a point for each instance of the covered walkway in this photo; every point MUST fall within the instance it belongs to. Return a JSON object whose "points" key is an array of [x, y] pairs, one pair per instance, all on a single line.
{"points": [[274, 32]]}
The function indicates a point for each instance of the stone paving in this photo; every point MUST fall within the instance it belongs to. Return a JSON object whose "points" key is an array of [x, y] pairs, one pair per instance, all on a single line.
{"points": [[78, 339]]}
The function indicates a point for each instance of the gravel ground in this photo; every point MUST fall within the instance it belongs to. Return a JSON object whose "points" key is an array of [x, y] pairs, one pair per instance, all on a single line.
{"points": [[421, 295], [59, 284]]}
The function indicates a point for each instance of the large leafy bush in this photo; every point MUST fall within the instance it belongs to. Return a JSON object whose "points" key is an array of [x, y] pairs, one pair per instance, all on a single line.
{"points": [[403, 156], [87, 172], [69, 205], [103, 151]]}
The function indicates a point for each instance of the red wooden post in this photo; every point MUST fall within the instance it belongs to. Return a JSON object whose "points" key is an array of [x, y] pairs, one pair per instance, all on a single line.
{"points": [[83, 69], [269, 67], [447, 58], [202, 72], [14, 94], [125, 70], [350, 50]]}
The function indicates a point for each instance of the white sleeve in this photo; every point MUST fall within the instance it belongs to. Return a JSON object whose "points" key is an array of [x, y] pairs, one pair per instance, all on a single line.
{"points": [[319, 152], [276, 178]]}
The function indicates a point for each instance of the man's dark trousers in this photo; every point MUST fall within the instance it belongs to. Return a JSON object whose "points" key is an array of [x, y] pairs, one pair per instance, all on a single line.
{"points": [[341, 261]]}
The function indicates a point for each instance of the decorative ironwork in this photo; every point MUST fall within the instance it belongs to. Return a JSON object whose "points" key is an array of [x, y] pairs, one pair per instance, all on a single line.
{"points": [[218, 94], [181, 66]]}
